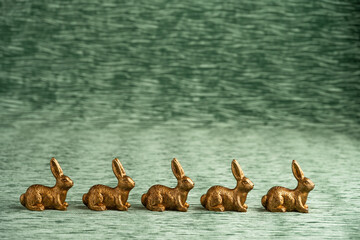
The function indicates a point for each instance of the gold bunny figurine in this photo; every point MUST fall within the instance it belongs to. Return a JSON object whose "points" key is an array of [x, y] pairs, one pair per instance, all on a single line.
{"points": [[39, 197], [160, 198], [221, 199], [280, 199], [101, 197]]}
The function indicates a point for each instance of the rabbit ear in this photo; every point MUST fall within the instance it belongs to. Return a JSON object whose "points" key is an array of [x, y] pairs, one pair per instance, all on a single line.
{"points": [[55, 168], [118, 169], [177, 169], [236, 170], [298, 173]]}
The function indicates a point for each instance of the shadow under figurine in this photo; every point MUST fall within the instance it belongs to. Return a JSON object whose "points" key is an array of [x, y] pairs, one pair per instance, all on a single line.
{"points": [[219, 198], [40, 197], [160, 198], [280, 199], [101, 197]]}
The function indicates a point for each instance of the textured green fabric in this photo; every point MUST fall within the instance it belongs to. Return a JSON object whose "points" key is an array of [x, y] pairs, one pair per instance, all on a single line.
{"points": [[264, 82]]}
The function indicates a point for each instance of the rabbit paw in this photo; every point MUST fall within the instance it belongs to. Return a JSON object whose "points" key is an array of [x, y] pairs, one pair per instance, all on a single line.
{"points": [[186, 205], [122, 208], [282, 209], [62, 207], [303, 210], [158, 208], [182, 209], [217, 208], [37, 207], [127, 204], [242, 209], [278, 209], [41, 207], [245, 206], [99, 207], [66, 204]]}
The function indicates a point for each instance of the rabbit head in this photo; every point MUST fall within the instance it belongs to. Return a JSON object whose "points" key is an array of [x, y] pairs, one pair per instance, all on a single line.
{"points": [[62, 181], [124, 182], [304, 183], [243, 183], [184, 182]]}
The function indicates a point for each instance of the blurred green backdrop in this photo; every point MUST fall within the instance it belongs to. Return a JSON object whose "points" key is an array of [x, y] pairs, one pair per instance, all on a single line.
{"points": [[264, 82]]}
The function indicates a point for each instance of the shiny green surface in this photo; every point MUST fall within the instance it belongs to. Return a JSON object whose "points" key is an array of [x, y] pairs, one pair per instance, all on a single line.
{"points": [[264, 82]]}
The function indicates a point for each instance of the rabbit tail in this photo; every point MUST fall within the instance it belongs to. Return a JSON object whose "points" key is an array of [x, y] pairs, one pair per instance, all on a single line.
{"points": [[144, 199], [203, 200], [264, 201], [85, 199], [22, 199]]}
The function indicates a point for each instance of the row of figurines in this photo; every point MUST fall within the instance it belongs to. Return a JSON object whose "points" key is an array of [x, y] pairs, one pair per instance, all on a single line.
{"points": [[160, 198]]}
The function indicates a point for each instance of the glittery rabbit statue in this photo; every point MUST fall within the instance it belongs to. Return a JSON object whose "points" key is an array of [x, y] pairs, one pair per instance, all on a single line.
{"points": [[101, 197], [39, 197], [280, 199], [160, 198], [219, 198]]}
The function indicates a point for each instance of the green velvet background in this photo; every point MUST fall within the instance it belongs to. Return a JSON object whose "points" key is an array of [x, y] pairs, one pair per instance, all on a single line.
{"points": [[264, 82]]}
